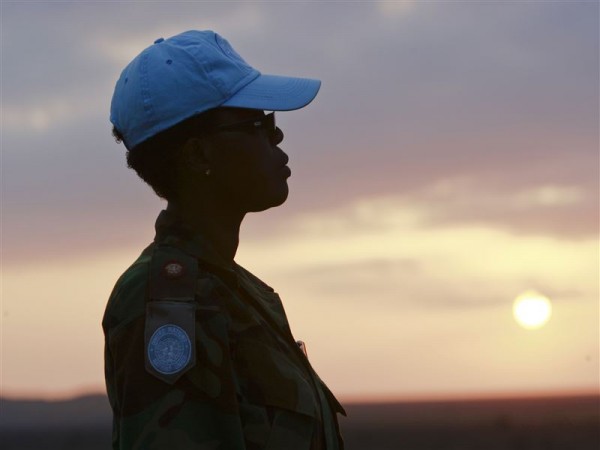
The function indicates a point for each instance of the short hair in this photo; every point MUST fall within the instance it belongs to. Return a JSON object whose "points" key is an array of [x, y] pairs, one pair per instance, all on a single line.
{"points": [[156, 159]]}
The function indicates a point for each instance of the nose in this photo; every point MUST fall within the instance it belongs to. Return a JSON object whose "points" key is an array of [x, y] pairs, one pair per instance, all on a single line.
{"points": [[277, 136]]}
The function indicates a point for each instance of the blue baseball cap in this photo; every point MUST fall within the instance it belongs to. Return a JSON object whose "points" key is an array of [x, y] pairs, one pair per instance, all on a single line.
{"points": [[192, 72]]}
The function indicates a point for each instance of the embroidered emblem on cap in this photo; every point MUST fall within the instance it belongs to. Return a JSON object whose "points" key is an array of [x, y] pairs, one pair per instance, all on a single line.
{"points": [[227, 48], [173, 269], [169, 349]]}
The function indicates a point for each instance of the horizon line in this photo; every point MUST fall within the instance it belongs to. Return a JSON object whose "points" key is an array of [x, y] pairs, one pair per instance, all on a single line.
{"points": [[16, 395]]}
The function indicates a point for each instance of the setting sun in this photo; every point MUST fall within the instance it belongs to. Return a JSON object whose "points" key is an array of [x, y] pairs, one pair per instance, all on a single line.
{"points": [[532, 310]]}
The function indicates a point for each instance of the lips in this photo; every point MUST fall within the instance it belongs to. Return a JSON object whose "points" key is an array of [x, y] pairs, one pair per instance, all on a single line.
{"points": [[286, 171]]}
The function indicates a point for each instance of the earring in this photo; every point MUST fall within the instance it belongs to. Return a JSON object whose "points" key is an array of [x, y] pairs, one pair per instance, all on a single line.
{"points": [[207, 172]]}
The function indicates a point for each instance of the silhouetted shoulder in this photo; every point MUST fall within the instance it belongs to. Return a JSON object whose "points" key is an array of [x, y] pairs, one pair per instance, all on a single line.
{"points": [[128, 298]]}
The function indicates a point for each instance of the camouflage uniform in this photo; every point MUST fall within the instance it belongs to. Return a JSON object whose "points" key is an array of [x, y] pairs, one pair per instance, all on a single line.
{"points": [[246, 385]]}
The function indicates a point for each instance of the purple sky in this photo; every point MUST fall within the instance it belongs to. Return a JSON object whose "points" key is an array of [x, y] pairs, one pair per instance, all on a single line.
{"points": [[479, 115]]}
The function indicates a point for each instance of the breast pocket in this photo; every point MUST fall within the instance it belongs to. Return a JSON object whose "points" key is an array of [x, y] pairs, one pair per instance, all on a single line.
{"points": [[277, 402]]}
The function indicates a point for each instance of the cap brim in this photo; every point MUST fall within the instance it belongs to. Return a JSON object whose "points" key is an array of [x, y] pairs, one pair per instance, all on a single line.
{"points": [[275, 93]]}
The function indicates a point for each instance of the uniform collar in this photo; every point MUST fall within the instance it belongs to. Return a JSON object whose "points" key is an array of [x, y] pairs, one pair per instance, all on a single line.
{"points": [[170, 230]]}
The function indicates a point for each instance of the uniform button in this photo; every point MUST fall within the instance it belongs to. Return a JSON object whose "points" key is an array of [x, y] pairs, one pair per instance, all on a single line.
{"points": [[173, 269], [159, 40]]}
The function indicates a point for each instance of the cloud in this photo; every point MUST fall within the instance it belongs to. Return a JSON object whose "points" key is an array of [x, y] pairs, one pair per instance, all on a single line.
{"points": [[447, 96], [50, 112], [37, 118], [553, 210], [120, 48], [548, 196], [449, 163], [385, 250], [393, 284], [396, 8]]}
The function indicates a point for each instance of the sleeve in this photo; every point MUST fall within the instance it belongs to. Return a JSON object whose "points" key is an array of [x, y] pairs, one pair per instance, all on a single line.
{"points": [[198, 411], [169, 370]]}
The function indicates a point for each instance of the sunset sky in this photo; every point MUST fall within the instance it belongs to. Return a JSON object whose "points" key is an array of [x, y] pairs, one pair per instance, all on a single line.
{"points": [[449, 163]]}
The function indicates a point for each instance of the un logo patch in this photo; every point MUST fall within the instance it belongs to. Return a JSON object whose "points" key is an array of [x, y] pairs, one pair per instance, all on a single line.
{"points": [[169, 349]]}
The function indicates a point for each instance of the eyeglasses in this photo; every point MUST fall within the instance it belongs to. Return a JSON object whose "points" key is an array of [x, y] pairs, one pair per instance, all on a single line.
{"points": [[266, 123]]}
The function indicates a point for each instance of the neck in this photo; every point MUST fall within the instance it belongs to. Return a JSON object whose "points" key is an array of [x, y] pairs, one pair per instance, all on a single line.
{"points": [[218, 225]]}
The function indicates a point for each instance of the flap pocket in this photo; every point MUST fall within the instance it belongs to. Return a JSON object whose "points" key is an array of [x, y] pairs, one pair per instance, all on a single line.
{"points": [[267, 376]]}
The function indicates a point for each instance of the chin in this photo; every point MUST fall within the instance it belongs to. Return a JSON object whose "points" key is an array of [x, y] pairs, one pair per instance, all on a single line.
{"points": [[272, 202]]}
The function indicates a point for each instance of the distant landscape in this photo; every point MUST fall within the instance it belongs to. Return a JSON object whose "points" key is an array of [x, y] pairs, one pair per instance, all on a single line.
{"points": [[561, 423]]}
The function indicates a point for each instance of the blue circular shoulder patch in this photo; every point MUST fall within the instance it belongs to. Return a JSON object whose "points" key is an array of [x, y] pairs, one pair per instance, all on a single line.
{"points": [[169, 349]]}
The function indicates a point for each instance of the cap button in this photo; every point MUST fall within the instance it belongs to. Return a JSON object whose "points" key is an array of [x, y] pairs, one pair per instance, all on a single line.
{"points": [[159, 40]]}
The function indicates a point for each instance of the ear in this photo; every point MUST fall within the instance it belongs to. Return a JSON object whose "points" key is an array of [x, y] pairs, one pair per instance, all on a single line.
{"points": [[196, 155]]}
